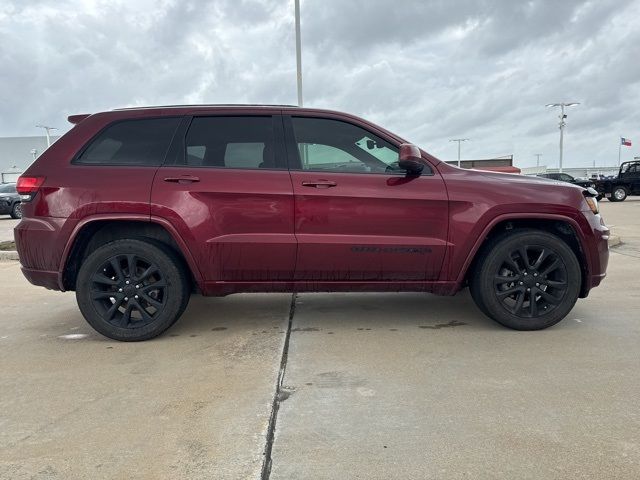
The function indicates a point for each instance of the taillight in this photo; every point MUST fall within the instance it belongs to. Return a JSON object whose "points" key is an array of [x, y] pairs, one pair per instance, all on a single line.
{"points": [[27, 187]]}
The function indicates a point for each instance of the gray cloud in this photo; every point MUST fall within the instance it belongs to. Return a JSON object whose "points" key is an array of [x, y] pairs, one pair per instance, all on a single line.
{"points": [[429, 70]]}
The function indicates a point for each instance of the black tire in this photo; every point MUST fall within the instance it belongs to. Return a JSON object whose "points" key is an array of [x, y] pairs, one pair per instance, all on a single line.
{"points": [[143, 269], [618, 194], [526, 296], [16, 211]]}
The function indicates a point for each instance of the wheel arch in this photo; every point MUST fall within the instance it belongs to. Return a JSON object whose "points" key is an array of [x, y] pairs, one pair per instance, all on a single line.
{"points": [[567, 229], [93, 232]]}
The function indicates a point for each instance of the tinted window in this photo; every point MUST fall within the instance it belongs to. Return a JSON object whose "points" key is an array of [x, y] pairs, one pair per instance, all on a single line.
{"points": [[332, 145], [231, 142], [132, 142], [8, 188]]}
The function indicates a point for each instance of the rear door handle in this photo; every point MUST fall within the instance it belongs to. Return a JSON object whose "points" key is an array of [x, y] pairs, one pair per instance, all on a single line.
{"points": [[320, 184], [182, 179]]}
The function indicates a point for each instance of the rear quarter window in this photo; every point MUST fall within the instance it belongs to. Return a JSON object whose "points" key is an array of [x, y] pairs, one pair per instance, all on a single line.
{"points": [[131, 142]]}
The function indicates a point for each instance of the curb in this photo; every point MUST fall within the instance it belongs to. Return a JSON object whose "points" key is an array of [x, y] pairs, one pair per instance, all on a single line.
{"points": [[614, 240], [6, 255]]}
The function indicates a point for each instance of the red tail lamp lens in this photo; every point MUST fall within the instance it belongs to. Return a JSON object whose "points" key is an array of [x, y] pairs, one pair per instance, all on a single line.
{"points": [[29, 185]]}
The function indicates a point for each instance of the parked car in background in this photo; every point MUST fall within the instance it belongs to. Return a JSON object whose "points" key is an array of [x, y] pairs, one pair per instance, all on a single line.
{"points": [[135, 209], [10, 200], [617, 189], [563, 177]]}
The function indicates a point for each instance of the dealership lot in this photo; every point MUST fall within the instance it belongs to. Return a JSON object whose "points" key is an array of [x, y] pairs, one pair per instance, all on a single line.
{"points": [[375, 386]]}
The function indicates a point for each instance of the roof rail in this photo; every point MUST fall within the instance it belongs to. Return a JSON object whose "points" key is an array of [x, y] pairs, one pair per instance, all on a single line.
{"points": [[206, 105]]}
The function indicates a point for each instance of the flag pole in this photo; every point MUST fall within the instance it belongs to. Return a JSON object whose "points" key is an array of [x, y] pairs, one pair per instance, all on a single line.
{"points": [[619, 150]]}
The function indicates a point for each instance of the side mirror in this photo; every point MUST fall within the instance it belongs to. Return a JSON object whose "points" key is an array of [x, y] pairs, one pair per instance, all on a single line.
{"points": [[409, 159]]}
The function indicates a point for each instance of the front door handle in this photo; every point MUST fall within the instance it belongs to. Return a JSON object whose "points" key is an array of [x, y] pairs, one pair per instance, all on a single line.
{"points": [[320, 184], [182, 179]]}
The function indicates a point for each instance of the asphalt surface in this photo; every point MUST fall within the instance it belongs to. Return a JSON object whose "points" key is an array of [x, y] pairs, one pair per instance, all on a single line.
{"points": [[371, 386]]}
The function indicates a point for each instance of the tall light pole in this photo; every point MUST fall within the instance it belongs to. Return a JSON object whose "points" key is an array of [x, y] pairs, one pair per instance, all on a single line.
{"points": [[47, 129], [459, 140], [538, 155], [298, 53], [562, 124]]}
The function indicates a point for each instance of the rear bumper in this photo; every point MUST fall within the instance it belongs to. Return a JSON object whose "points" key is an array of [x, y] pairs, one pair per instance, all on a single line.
{"points": [[43, 278]]}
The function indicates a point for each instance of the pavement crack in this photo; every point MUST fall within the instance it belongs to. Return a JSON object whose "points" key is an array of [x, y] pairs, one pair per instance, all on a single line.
{"points": [[281, 394]]}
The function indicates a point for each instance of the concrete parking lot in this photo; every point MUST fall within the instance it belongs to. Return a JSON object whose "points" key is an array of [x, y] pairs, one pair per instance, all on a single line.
{"points": [[372, 386]]}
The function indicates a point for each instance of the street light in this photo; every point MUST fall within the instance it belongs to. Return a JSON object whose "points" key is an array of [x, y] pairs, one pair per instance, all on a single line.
{"points": [[459, 140], [538, 155], [47, 129], [562, 124], [298, 53]]}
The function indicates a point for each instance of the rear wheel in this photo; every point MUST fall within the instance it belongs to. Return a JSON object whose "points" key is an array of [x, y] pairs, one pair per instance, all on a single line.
{"points": [[618, 194], [527, 280], [16, 211], [132, 290]]}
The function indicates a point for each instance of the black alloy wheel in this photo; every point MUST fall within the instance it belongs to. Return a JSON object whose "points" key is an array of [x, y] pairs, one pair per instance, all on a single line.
{"points": [[526, 279], [132, 289], [531, 281], [128, 290]]}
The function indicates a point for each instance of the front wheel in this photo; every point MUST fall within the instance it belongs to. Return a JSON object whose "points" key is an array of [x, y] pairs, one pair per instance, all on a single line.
{"points": [[132, 290], [527, 280]]}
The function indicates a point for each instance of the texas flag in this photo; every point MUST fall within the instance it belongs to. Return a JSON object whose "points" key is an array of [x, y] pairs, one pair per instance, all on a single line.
{"points": [[625, 141]]}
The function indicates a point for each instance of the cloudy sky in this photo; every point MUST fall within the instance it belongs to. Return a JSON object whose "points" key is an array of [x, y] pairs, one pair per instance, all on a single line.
{"points": [[428, 70]]}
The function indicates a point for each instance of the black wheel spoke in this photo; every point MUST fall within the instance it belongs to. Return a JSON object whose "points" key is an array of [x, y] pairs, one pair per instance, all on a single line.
{"points": [[509, 291], [147, 273], [556, 283], [519, 301], [525, 257], [554, 265], [533, 305], [126, 316], [113, 309], [500, 279], [100, 277], [153, 286], [547, 297], [101, 294], [513, 265], [131, 265], [145, 315], [115, 264], [151, 301], [541, 258]]}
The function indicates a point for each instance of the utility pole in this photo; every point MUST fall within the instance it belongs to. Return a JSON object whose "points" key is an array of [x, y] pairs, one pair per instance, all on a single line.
{"points": [[538, 155], [562, 124], [459, 140], [298, 53], [47, 129]]}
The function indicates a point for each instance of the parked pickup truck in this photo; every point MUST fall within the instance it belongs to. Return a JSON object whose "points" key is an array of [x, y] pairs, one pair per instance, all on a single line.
{"points": [[619, 188]]}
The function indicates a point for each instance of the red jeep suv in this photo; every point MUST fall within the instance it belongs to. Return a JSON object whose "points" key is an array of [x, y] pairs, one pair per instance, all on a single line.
{"points": [[135, 209]]}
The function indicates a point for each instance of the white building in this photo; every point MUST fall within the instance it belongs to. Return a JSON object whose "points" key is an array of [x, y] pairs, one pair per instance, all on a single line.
{"points": [[17, 153]]}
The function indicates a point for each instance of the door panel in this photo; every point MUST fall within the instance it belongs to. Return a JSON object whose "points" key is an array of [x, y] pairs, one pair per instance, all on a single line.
{"points": [[370, 227], [237, 222]]}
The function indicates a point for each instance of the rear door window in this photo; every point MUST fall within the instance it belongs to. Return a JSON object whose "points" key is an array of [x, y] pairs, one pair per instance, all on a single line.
{"points": [[131, 142], [232, 142]]}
